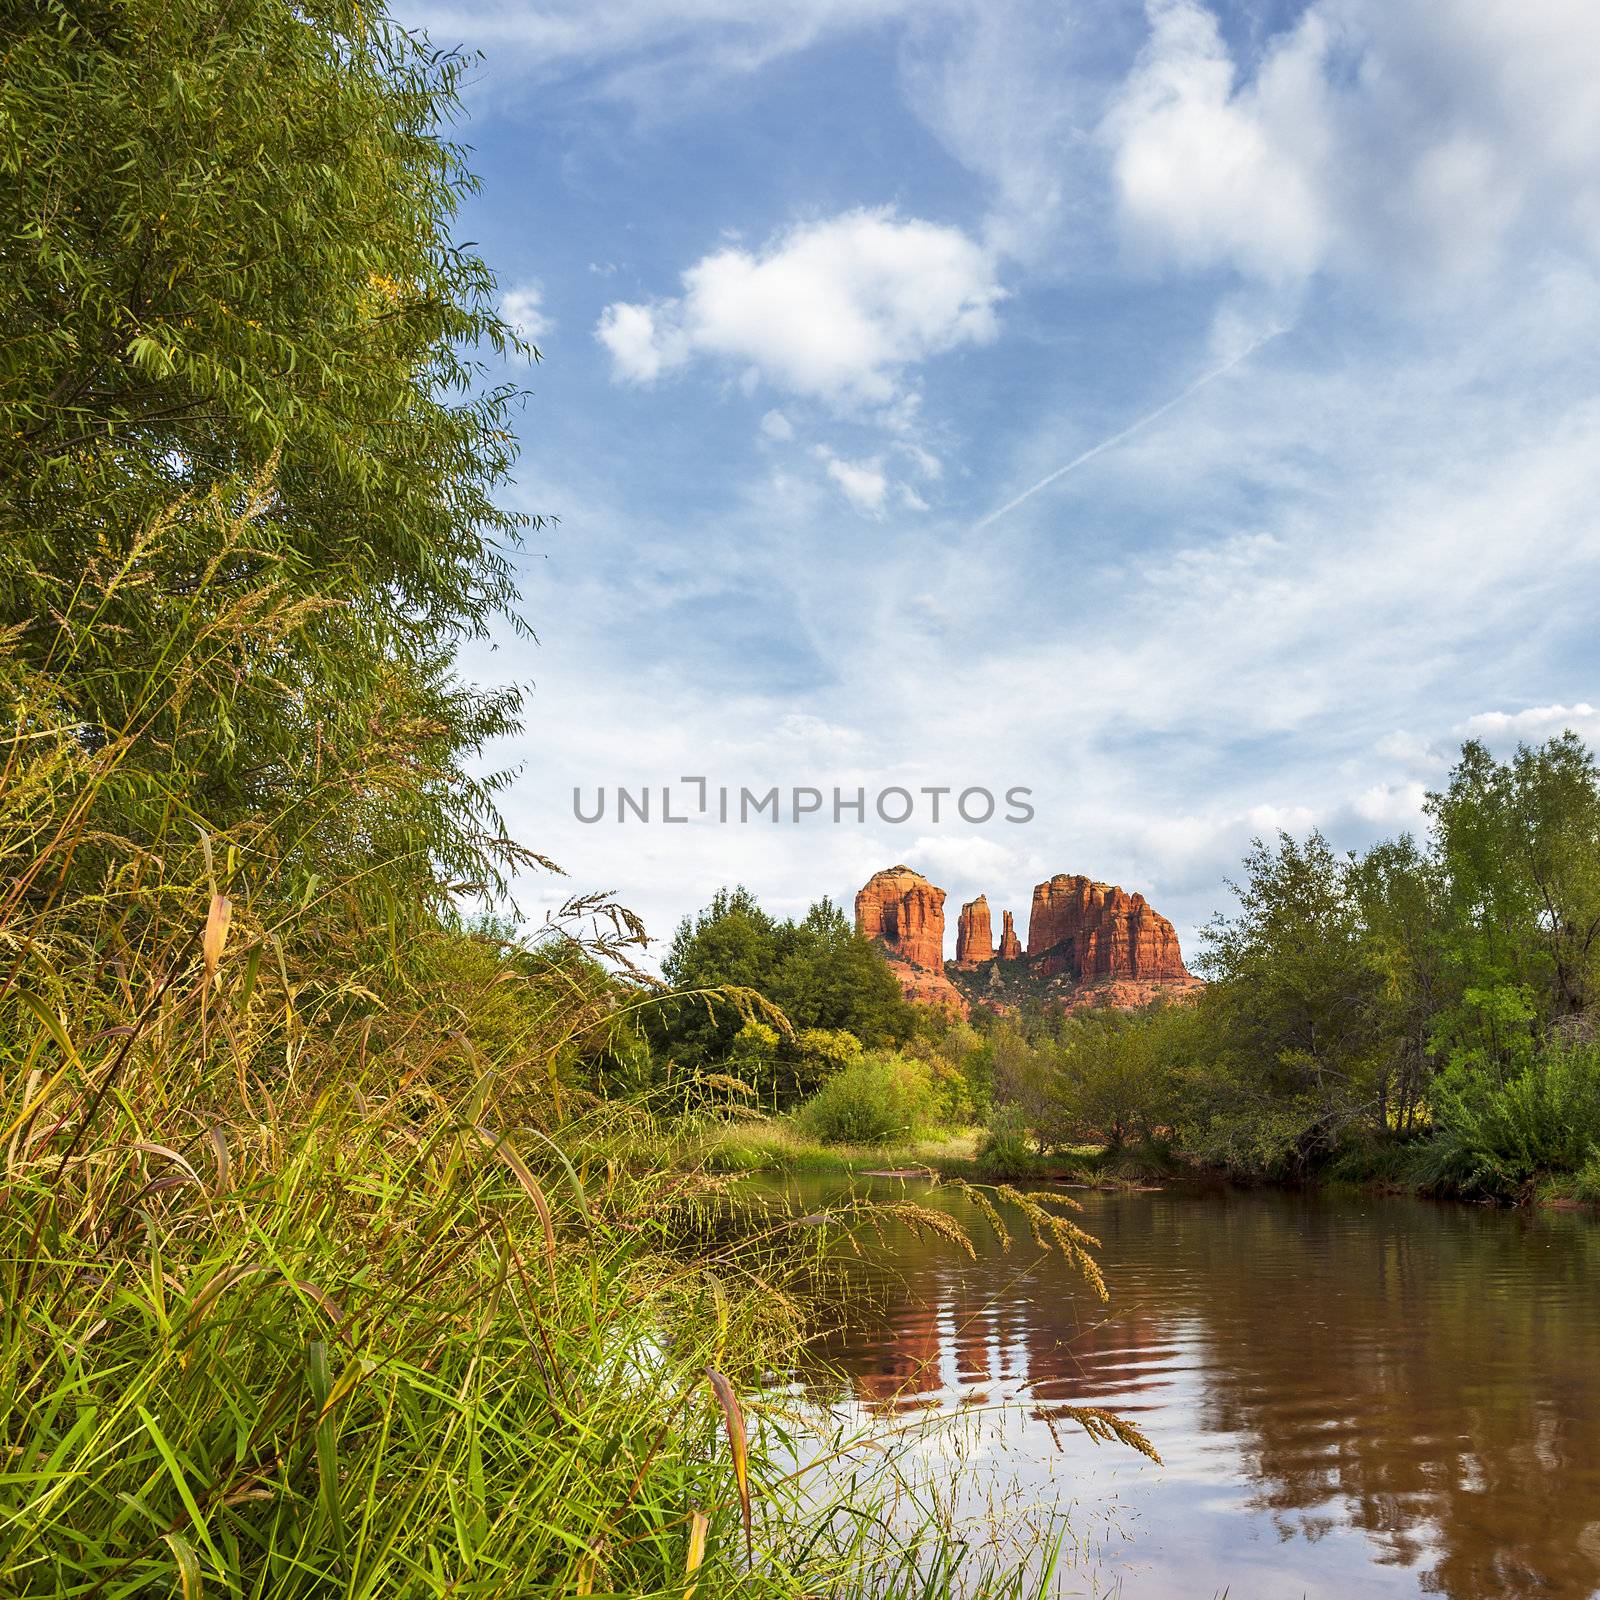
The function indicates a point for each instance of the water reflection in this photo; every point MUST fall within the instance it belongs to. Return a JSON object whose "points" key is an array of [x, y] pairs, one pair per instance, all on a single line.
{"points": [[1352, 1397]]}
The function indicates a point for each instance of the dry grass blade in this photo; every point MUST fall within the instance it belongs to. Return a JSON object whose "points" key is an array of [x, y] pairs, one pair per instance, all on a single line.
{"points": [[216, 934], [739, 1447], [168, 1154], [190, 1584], [699, 1524], [530, 1184], [219, 1150]]}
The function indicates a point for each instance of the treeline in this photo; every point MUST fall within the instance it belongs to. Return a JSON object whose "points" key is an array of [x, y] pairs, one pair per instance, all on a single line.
{"points": [[1422, 1011]]}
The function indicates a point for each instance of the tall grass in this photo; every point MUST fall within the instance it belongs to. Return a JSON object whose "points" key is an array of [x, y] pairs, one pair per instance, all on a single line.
{"points": [[319, 1274]]}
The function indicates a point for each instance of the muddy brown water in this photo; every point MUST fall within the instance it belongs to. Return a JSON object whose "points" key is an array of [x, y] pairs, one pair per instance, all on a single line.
{"points": [[1354, 1398]]}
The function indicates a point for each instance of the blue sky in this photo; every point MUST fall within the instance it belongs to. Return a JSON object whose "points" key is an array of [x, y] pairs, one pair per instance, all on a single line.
{"points": [[822, 285]]}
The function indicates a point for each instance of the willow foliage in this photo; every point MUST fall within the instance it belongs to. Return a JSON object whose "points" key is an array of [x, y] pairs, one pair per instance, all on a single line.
{"points": [[230, 298]]}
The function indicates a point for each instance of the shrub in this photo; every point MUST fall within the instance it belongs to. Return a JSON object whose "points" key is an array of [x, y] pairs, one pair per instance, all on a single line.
{"points": [[881, 1097], [1586, 1181], [1004, 1152], [1498, 1134]]}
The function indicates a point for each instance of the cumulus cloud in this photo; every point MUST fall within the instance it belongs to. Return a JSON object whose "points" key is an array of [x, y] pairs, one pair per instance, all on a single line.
{"points": [[1369, 133], [522, 305], [641, 348], [1212, 176], [777, 426], [834, 309], [1533, 724], [1391, 803]]}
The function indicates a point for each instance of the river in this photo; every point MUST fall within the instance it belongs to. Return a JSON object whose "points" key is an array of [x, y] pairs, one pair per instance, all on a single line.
{"points": [[1354, 1398]]}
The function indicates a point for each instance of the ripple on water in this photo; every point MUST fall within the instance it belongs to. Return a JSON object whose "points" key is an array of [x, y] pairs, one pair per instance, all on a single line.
{"points": [[1353, 1399]]}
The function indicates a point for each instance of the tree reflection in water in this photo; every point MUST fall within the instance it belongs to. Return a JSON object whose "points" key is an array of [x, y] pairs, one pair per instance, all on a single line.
{"points": [[1352, 1396]]}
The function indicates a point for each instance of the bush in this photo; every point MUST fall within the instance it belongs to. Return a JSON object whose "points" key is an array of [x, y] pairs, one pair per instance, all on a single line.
{"points": [[875, 1100], [1500, 1134], [1004, 1152], [1586, 1181]]}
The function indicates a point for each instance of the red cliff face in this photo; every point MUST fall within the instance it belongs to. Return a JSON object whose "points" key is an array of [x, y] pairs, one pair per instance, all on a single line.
{"points": [[974, 937], [1088, 944], [1096, 931], [905, 914]]}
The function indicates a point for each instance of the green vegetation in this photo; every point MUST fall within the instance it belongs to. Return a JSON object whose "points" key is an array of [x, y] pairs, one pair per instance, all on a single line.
{"points": [[336, 1256], [832, 993], [243, 413], [1420, 1014], [877, 1100], [768, 1144]]}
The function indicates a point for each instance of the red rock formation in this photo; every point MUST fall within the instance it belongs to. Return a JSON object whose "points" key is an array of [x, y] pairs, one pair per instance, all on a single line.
{"points": [[1096, 931], [905, 914], [974, 938], [1089, 944]]}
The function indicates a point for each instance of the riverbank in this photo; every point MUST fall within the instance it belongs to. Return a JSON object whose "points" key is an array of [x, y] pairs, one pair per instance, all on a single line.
{"points": [[779, 1145], [776, 1144]]}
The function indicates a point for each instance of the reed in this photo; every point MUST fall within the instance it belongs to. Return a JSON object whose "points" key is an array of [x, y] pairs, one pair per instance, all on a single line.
{"points": [[320, 1274], [324, 1268]]}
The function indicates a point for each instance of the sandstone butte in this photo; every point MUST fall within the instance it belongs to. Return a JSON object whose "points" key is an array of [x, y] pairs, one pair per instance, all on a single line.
{"points": [[905, 914], [1089, 943], [974, 936]]}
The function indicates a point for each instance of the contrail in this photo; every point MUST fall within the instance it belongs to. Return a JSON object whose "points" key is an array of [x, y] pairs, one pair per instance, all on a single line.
{"points": [[1126, 433]]}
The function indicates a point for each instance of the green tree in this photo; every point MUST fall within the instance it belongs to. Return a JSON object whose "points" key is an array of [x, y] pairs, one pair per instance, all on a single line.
{"points": [[1398, 892], [827, 976], [1111, 1080], [825, 979], [1289, 1059], [1518, 845], [242, 390]]}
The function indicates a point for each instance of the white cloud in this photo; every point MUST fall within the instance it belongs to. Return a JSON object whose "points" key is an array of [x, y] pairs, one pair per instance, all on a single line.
{"points": [[522, 305], [1212, 177], [777, 426], [969, 864], [641, 349], [1369, 135], [862, 482], [818, 736], [835, 309], [1391, 803], [1534, 724], [662, 42], [1420, 757]]}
